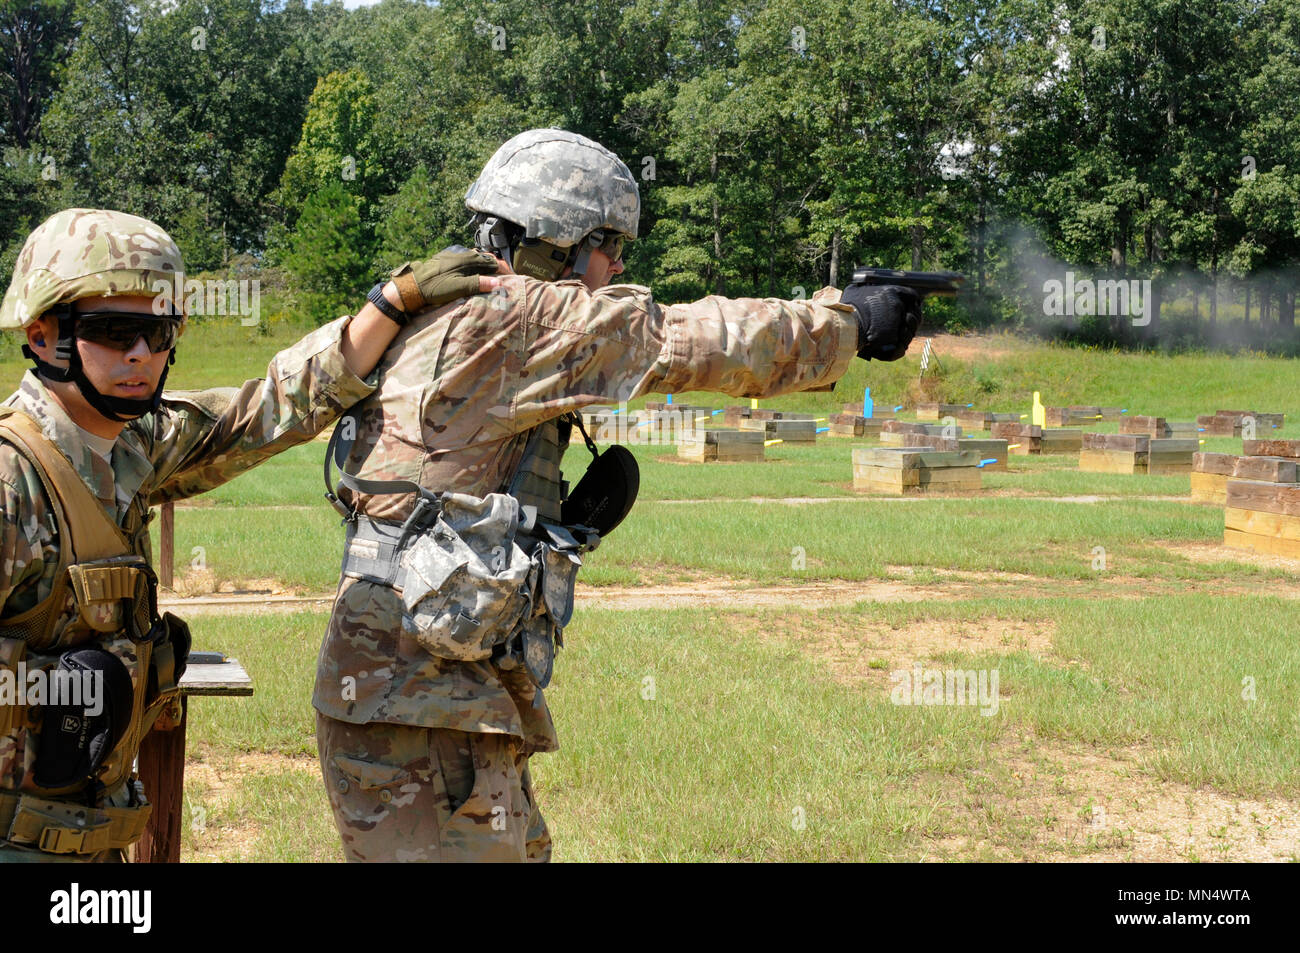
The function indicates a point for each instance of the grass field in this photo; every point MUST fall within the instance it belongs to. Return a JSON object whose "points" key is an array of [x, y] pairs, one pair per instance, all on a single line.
{"points": [[730, 685]]}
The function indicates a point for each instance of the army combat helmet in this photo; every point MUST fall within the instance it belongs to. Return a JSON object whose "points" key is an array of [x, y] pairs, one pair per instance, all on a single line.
{"points": [[548, 197], [81, 253]]}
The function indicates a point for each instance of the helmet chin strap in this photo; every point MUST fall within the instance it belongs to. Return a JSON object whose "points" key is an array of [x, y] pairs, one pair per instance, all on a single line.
{"points": [[120, 409]]}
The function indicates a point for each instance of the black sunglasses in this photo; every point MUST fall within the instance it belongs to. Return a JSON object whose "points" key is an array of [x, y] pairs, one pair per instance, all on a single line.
{"points": [[611, 243], [119, 330]]}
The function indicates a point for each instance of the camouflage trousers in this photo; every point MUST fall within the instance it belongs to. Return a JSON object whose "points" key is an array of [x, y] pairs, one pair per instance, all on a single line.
{"points": [[431, 795]]}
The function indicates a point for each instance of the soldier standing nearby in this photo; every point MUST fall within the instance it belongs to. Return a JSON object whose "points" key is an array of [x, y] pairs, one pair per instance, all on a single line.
{"points": [[461, 547], [87, 444]]}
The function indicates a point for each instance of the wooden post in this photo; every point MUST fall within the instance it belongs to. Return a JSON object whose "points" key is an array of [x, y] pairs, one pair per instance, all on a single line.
{"points": [[162, 754], [162, 771], [166, 545]]}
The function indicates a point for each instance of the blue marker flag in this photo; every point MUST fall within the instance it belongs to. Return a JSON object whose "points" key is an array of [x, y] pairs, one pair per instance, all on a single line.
{"points": [[987, 462]]}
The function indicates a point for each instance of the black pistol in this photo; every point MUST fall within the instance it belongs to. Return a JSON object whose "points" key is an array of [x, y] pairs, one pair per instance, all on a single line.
{"points": [[922, 282]]}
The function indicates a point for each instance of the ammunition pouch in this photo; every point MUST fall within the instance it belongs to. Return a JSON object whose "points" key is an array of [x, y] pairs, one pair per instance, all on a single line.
{"points": [[479, 578], [471, 578]]}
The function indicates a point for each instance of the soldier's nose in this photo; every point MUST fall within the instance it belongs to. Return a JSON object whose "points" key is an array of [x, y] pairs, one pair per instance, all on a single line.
{"points": [[138, 351]]}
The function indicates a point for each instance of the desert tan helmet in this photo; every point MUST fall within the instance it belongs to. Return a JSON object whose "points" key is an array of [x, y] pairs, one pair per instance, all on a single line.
{"points": [[80, 253], [83, 253], [567, 193]]}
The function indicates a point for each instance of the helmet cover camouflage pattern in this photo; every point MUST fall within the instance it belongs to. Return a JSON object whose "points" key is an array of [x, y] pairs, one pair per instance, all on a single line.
{"points": [[82, 253], [559, 186]]}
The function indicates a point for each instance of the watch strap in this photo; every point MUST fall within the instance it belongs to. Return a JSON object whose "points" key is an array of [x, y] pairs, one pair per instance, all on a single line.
{"points": [[376, 297]]}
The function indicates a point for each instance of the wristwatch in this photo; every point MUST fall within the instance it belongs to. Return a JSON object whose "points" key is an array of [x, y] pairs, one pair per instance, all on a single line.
{"points": [[376, 297]]}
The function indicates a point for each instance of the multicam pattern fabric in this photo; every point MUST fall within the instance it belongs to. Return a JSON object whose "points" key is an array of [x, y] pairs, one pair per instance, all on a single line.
{"points": [[196, 441], [460, 389], [81, 252], [408, 794], [559, 186]]}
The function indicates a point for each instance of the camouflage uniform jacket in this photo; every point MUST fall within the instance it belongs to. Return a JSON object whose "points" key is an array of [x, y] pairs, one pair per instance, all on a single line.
{"points": [[196, 441], [461, 387]]}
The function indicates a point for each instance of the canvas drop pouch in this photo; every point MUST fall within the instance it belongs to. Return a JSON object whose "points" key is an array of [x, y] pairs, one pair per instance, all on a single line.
{"points": [[466, 581]]}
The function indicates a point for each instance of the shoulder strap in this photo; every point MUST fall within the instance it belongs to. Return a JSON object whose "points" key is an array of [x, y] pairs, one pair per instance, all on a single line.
{"points": [[340, 446], [428, 504], [85, 531]]}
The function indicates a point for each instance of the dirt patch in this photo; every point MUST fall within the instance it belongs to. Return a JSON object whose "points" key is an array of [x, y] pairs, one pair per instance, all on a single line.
{"points": [[866, 652], [1201, 552], [704, 591], [730, 596], [971, 348], [202, 582], [865, 497], [1062, 803], [211, 783]]}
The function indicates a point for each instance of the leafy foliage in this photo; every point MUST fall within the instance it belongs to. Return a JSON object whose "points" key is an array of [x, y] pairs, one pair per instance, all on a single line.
{"points": [[777, 142]]}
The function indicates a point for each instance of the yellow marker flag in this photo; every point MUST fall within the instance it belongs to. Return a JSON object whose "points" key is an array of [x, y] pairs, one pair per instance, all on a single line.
{"points": [[768, 443]]}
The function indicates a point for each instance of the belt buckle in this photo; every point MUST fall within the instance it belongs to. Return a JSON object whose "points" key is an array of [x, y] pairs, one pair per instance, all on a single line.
{"points": [[61, 840]]}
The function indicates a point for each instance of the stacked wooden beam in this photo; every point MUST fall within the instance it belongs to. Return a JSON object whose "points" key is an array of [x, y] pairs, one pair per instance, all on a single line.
{"points": [[722, 446], [1219, 425], [932, 411], [693, 410], [1136, 453], [1078, 415], [602, 425], [908, 471], [975, 419], [1140, 423], [790, 431], [1031, 439], [1262, 421], [661, 426], [1184, 428], [897, 433], [1022, 439], [1263, 517], [855, 425], [1112, 413], [1060, 441], [1212, 471], [1114, 453], [985, 449], [732, 416], [1171, 455], [1272, 448]]}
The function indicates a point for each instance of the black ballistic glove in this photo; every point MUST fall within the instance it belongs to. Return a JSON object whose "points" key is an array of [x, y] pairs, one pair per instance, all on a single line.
{"points": [[888, 316]]}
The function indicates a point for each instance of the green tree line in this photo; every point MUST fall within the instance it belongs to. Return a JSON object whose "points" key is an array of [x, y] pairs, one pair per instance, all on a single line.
{"points": [[778, 142]]}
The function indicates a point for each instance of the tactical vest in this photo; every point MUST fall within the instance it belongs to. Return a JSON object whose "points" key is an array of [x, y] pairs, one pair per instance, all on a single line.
{"points": [[537, 481], [105, 588]]}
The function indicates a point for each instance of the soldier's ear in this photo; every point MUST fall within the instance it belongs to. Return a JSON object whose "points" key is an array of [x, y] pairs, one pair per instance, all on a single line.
{"points": [[38, 330]]}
